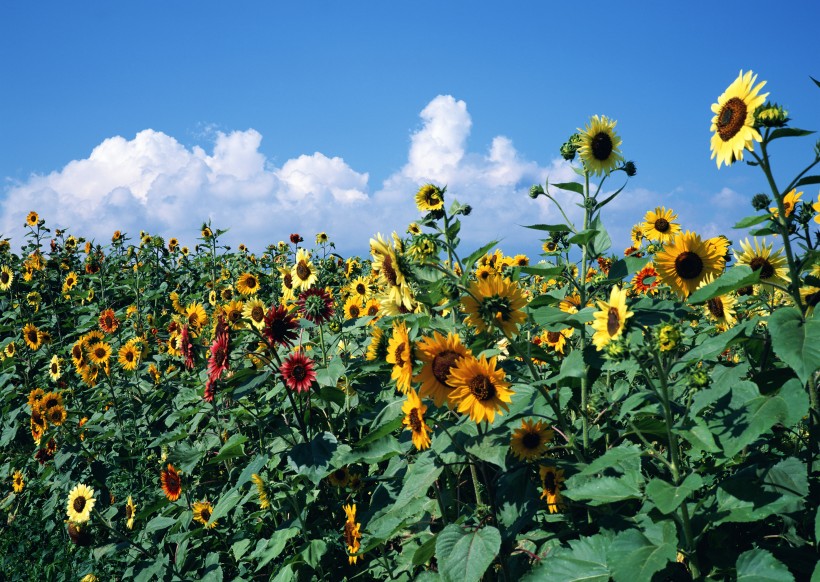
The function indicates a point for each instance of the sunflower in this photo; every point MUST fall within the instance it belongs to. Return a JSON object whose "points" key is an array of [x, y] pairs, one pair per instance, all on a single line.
{"points": [[372, 308], [495, 302], [377, 348], [438, 356], [196, 316], [816, 207], [646, 281], [414, 420], [10, 350], [80, 503], [637, 235], [790, 201], [130, 513], [34, 398], [56, 415], [129, 357], [99, 353], [479, 388], [659, 225], [387, 263], [360, 287], [599, 146], [315, 305], [610, 320], [413, 228], [31, 335], [520, 261], [171, 484], [686, 261], [551, 479], [400, 354], [232, 312], [70, 281], [202, 513], [261, 491], [303, 271], [226, 294], [530, 441], [55, 368], [570, 304], [353, 308], [339, 477], [254, 311], [17, 482], [32, 219], [247, 284], [772, 266], [279, 326], [108, 321], [720, 309], [556, 340], [733, 124], [6, 278], [811, 297], [429, 198], [298, 372], [484, 272], [352, 534]]}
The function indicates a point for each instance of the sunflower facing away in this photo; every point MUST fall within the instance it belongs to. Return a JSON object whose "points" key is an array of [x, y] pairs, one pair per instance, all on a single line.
{"points": [[80, 503], [686, 261], [261, 491], [202, 513], [479, 389], [772, 266], [495, 302], [733, 124], [610, 320], [352, 534], [438, 356], [414, 420], [530, 441], [171, 484], [599, 146], [400, 354], [658, 225]]}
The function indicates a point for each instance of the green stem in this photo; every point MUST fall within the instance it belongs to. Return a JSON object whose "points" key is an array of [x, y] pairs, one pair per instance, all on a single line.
{"points": [[583, 295]]}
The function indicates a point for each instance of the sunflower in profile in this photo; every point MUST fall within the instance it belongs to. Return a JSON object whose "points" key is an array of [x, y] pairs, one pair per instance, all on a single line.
{"points": [[386, 262], [303, 272], [637, 235], [17, 482], [352, 534], [495, 302], [128, 357], [438, 356], [202, 513], [80, 503], [32, 219], [720, 309], [171, 483], [599, 146], [479, 388], [414, 420], [6, 278], [430, 197], [247, 284], [31, 335], [551, 479], [790, 201], [261, 491], [810, 296], [570, 304], [772, 266], [686, 261], [254, 311], [611, 319], [400, 354], [530, 441], [658, 225], [733, 127], [377, 348], [353, 308], [130, 513], [10, 350]]}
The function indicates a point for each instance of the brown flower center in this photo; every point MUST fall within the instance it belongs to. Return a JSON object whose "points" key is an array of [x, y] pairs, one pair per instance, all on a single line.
{"points": [[415, 421], [251, 282], [531, 440], [32, 336], [715, 306], [662, 225], [298, 372], [205, 513], [79, 503], [482, 387], [350, 528], [129, 512], [4, 277], [399, 354], [287, 281], [361, 289], [129, 356], [731, 118], [688, 265], [442, 363], [553, 337], [765, 267], [601, 146], [354, 311], [613, 321], [812, 299], [549, 482], [302, 270]]}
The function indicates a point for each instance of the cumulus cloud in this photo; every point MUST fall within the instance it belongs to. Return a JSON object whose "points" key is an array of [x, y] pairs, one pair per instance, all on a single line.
{"points": [[153, 182]]}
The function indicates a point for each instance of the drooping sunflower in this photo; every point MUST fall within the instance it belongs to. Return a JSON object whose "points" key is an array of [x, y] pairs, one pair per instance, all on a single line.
{"points": [[18, 483], [686, 261], [610, 320], [352, 534], [733, 124], [658, 225], [202, 513], [479, 388], [6, 278], [261, 491], [298, 372], [551, 479], [377, 348], [171, 483], [80, 503], [495, 302], [247, 284], [196, 316], [400, 354], [531, 439], [353, 308], [790, 201], [599, 146], [254, 311], [772, 266], [55, 368], [438, 356], [303, 271], [108, 321], [414, 420], [32, 219], [129, 357], [646, 281], [430, 197], [130, 513], [31, 335], [720, 309]]}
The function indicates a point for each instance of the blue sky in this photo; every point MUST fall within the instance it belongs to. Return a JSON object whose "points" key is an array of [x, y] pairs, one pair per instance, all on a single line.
{"points": [[272, 118]]}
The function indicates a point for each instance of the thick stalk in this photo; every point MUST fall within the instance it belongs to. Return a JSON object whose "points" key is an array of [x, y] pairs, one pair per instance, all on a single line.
{"points": [[583, 295]]}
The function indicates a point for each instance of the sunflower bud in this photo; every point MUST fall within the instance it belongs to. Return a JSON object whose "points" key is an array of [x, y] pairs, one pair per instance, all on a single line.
{"points": [[466, 210], [617, 349], [699, 379], [570, 147], [630, 168], [771, 115], [669, 338], [760, 201], [536, 191], [334, 326]]}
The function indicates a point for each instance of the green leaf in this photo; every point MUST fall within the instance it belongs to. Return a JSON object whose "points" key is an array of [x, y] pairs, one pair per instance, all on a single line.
{"points": [[601, 242], [585, 561], [788, 132], [478, 253], [733, 279], [185, 457], [817, 527], [816, 82], [796, 342], [633, 556], [666, 497], [313, 459], [623, 458], [549, 227], [267, 550], [752, 220], [576, 187], [231, 449], [226, 503], [425, 551], [761, 566], [330, 375], [252, 467], [159, 522], [464, 556], [542, 271], [583, 237], [604, 490], [807, 181]]}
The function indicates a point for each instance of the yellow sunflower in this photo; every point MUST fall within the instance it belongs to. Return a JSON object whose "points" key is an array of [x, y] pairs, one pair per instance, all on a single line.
{"points": [[196, 316], [495, 302], [556, 340], [32, 219], [790, 201], [599, 146], [637, 235], [377, 348], [551, 479], [254, 311], [611, 319], [55, 368], [353, 308], [811, 297], [56, 415], [130, 513], [438, 356], [720, 309], [430, 197], [360, 287], [99, 353], [80, 503], [659, 225], [352, 534], [6, 278], [202, 513], [303, 272], [816, 207], [686, 261], [733, 124], [70, 281], [31, 335], [479, 389], [386, 263], [400, 354], [261, 491], [247, 284], [10, 350], [129, 357], [233, 314], [530, 441], [772, 266], [414, 420], [17, 482]]}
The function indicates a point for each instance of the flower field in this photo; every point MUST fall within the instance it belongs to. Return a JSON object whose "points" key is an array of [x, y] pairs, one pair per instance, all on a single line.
{"points": [[427, 412]]}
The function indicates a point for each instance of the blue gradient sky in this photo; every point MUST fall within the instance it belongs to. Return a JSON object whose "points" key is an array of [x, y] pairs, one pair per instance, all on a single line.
{"points": [[272, 118]]}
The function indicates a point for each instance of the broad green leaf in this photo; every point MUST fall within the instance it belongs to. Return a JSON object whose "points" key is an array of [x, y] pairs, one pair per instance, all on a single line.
{"points": [[807, 181], [761, 566], [382, 431], [549, 227], [623, 458], [478, 253], [542, 271], [185, 457], [604, 490], [601, 242], [585, 561], [788, 132], [158, 523], [231, 449], [666, 497], [225, 504], [252, 467], [313, 459], [633, 556], [582, 237], [464, 555], [329, 376], [267, 550], [796, 342], [755, 493], [733, 279], [425, 551], [576, 187], [752, 220]]}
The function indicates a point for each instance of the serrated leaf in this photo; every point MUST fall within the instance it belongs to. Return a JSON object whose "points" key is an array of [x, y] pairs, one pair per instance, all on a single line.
{"points": [[231, 449], [667, 497], [585, 561], [796, 342], [733, 279], [464, 555], [313, 459], [633, 556], [761, 566]]}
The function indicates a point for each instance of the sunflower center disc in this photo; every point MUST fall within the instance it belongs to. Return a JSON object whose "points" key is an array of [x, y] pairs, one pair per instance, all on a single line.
{"points": [[389, 271], [688, 265], [302, 271], [79, 503], [531, 440], [549, 483], [298, 372], [399, 353], [715, 307], [661, 225], [813, 299], [415, 423], [601, 146], [766, 269], [731, 118], [354, 311], [482, 388], [553, 337], [206, 515], [613, 321], [257, 313], [442, 364]]}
